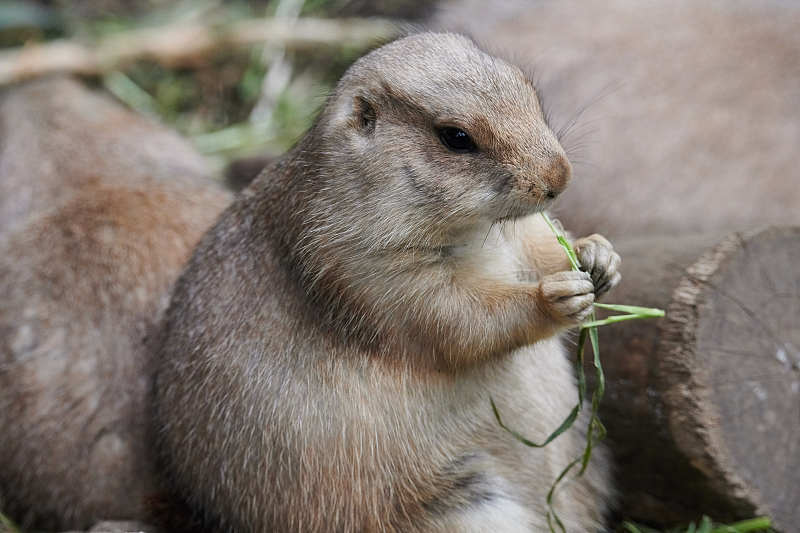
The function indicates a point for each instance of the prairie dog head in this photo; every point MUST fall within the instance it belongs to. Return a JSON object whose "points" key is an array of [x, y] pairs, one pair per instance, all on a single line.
{"points": [[435, 137]]}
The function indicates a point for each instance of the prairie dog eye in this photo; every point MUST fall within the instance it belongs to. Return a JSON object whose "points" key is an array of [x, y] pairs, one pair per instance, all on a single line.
{"points": [[456, 140]]}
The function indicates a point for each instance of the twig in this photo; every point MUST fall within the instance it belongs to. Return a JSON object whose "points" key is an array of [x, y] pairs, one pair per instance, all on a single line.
{"points": [[180, 44]]}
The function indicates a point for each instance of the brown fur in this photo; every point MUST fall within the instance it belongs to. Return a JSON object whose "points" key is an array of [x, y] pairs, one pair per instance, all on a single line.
{"points": [[57, 139], [241, 172], [329, 353], [83, 280]]}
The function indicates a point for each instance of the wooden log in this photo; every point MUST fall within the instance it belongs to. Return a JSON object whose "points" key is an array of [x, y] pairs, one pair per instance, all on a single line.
{"points": [[703, 406]]}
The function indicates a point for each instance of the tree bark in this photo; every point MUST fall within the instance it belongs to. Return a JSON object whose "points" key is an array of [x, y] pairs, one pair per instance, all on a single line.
{"points": [[703, 406]]}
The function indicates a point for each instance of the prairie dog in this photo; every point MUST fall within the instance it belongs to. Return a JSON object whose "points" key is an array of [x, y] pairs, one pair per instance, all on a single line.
{"points": [[84, 276], [329, 353]]}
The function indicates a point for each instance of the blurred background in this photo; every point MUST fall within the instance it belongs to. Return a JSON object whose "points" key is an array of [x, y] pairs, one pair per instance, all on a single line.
{"points": [[233, 98]]}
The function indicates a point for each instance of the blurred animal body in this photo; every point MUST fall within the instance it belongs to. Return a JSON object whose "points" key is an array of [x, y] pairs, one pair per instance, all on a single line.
{"points": [[99, 209]]}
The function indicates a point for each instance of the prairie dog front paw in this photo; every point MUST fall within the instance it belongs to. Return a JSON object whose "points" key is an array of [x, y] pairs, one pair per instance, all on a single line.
{"points": [[567, 296], [597, 257]]}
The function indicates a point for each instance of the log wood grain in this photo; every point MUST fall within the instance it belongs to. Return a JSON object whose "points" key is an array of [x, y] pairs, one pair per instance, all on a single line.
{"points": [[703, 407]]}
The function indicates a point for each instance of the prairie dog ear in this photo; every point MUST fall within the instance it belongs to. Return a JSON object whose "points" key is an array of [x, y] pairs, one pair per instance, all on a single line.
{"points": [[356, 113], [364, 115]]}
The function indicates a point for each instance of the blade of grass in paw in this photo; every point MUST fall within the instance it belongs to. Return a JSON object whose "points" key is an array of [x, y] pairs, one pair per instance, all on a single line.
{"points": [[596, 430]]}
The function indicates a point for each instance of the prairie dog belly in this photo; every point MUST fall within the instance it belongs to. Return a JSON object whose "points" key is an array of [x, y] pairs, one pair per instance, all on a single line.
{"points": [[535, 391]]}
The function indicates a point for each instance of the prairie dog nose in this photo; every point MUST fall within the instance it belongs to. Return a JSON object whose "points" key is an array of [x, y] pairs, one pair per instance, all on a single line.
{"points": [[556, 175]]}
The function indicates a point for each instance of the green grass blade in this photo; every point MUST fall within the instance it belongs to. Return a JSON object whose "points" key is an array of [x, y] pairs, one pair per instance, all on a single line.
{"points": [[596, 431], [569, 420], [565, 425], [553, 520], [601, 379], [129, 92], [573, 259], [636, 528], [7, 525], [632, 310], [705, 525], [610, 320], [551, 493], [630, 528], [745, 526], [579, 366]]}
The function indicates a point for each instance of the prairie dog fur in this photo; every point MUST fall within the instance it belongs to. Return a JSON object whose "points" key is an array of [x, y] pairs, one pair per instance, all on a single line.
{"points": [[329, 352], [58, 138], [84, 277]]}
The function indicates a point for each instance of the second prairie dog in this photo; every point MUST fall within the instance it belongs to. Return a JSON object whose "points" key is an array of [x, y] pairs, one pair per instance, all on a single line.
{"points": [[97, 232], [330, 350], [57, 141]]}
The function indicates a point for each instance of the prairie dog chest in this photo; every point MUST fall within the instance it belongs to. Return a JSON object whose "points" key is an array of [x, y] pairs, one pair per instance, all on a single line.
{"points": [[494, 253]]}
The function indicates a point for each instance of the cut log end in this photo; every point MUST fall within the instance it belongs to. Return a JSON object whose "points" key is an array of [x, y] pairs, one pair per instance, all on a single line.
{"points": [[730, 371]]}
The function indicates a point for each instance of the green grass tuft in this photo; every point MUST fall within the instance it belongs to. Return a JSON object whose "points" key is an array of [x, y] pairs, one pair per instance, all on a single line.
{"points": [[706, 526]]}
